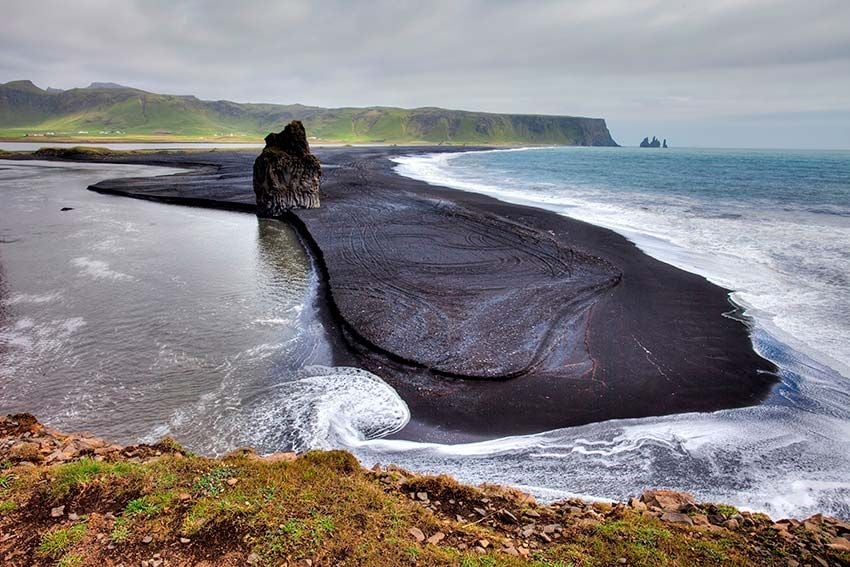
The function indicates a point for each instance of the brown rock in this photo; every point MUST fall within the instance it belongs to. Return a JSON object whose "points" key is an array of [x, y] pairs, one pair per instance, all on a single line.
{"points": [[840, 544], [25, 451], [436, 538], [417, 534], [667, 500], [279, 457], [676, 518], [57, 512], [286, 174]]}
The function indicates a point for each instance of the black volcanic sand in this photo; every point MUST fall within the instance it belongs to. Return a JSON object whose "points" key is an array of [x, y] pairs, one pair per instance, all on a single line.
{"points": [[489, 318]]}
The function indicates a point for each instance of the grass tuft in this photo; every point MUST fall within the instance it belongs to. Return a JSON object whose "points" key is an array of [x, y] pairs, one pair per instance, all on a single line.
{"points": [[54, 544]]}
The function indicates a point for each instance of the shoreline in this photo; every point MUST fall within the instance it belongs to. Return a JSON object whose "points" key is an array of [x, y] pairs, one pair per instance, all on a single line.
{"points": [[542, 391], [77, 499], [648, 243]]}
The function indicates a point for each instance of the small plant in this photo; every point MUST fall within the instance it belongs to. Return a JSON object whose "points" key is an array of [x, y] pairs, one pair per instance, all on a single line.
{"points": [[7, 506], [120, 531], [5, 481], [727, 510], [212, 483], [325, 524], [70, 560], [54, 544], [294, 529], [141, 507]]}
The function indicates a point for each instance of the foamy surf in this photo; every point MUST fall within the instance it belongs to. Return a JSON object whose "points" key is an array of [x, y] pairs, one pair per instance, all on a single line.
{"points": [[329, 407]]}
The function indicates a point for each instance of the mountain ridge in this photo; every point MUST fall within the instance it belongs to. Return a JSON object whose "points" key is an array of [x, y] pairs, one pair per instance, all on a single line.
{"points": [[110, 111]]}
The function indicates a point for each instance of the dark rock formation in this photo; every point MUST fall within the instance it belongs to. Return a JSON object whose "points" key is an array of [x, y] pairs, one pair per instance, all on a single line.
{"points": [[645, 143], [286, 174], [664, 143]]}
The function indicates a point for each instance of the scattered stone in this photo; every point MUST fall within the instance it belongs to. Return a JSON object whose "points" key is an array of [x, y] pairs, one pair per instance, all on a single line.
{"points": [[185, 540], [840, 544], [483, 543], [147, 539], [676, 518], [731, 524], [184, 496], [667, 500], [57, 512], [73, 517], [423, 496], [232, 481], [417, 534], [552, 528], [531, 513], [506, 516], [252, 559], [436, 538]]}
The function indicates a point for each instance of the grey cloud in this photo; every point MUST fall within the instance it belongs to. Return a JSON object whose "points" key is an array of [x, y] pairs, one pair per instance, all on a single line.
{"points": [[623, 59]]}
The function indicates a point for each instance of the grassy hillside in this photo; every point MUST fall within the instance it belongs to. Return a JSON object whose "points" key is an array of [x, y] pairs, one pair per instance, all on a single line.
{"points": [[110, 112], [76, 500]]}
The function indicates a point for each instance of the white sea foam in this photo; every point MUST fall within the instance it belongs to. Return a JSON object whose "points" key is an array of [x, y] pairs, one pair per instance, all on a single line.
{"points": [[98, 269], [326, 407]]}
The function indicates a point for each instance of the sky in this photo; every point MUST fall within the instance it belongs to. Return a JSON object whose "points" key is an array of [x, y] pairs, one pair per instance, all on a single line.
{"points": [[739, 73]]}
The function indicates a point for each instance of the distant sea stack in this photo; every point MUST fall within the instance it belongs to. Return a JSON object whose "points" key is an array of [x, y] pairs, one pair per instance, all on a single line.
{"points": [[286, 174], [646, 143]]}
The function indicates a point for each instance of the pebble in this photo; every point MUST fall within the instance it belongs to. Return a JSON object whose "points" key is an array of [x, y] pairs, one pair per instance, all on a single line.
{"points": [[417, 534], [57, 512], [436, 538], [147, 539]]}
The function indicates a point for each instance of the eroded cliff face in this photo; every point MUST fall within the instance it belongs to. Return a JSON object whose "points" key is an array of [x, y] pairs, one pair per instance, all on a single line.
{"points": [[286, 174]]}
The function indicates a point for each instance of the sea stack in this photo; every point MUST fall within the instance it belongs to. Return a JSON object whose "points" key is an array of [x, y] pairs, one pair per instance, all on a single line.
{"points": [[286, 174]]}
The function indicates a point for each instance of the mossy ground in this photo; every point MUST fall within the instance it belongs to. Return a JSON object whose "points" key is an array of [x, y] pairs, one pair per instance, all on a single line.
{"points": [[321, 509]]}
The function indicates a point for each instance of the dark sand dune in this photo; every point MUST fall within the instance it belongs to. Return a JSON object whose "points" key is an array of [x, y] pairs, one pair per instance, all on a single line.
{"points": [[490, 318]]}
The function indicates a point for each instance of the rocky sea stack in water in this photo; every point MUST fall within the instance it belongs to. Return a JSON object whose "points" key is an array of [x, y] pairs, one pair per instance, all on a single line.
{"points": [[286, 174]]}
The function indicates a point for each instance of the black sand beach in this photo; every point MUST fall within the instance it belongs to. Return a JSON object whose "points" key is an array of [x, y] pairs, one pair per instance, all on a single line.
{"points": [[488, 318]]}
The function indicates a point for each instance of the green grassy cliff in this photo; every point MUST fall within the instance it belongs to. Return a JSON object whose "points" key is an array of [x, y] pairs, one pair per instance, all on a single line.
{"points": [[113, 112], [75, 500]]}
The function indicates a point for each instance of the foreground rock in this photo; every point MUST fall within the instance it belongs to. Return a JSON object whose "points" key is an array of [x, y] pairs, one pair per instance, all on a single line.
{"points": [[286, 174], [162, 506]]}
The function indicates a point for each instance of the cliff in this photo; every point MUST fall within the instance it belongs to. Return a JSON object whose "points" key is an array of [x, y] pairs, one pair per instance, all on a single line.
{"points": [[110, 111], [77, 500]]}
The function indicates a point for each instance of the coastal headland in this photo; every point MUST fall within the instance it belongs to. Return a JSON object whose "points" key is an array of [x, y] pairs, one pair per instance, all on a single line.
{"points": [[488, 318]]}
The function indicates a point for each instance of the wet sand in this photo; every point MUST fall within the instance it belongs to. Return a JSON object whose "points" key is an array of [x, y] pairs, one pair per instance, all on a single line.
{"points": [[490, 318]]}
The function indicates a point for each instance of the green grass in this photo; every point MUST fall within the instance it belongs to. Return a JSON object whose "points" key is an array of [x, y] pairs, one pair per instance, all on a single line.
{"points": [[70, 560], [727, 510], [55, 543], [136, 115], [323, 507], [72, 475]]}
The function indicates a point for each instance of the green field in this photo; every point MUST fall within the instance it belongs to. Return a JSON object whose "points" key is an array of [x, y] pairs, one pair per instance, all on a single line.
{"points": [[28, 113]]}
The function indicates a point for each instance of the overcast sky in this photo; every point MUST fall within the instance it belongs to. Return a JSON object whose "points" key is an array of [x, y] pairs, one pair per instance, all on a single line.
{"points": [[761, 73]]}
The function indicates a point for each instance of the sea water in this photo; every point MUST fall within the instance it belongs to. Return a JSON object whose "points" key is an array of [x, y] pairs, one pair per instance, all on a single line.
{"points": [[771, 226]]}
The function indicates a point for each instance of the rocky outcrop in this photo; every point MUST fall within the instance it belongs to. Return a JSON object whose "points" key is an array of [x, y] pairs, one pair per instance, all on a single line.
{"points": [[286, 174], [655, 143]]}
